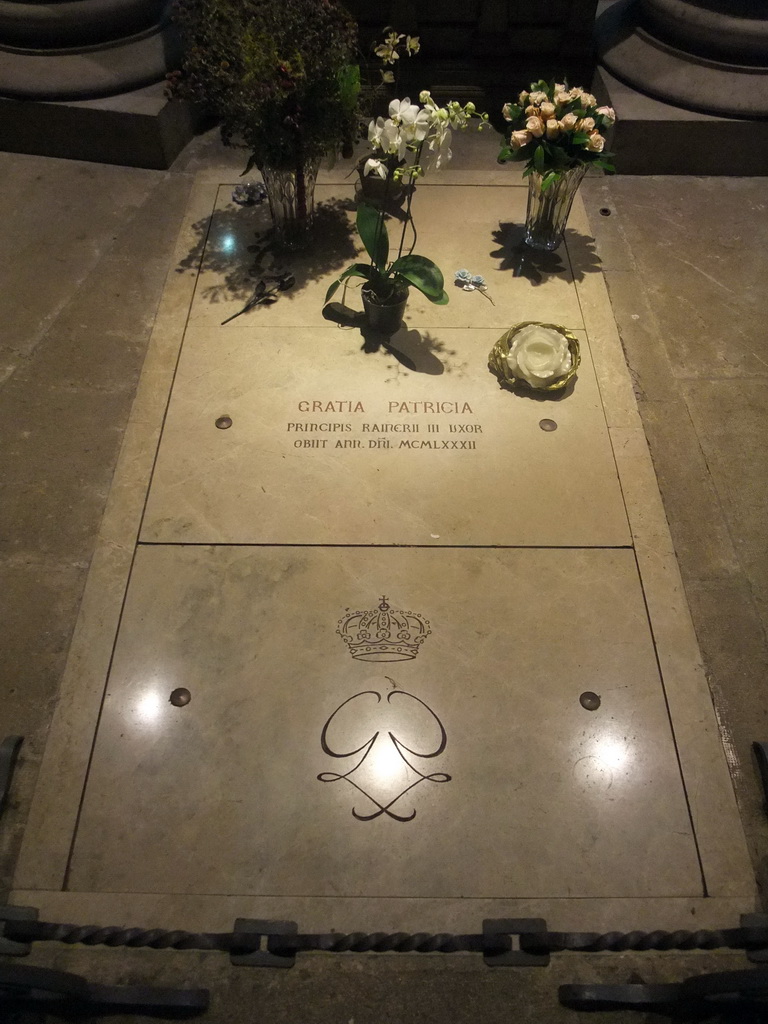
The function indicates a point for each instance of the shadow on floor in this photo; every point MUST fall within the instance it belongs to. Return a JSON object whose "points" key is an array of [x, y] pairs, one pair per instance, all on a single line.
{"points": [[535, 264], [416, 350], [266, 273]]}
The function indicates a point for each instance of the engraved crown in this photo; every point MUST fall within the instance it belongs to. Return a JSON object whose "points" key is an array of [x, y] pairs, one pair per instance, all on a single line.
{"points": [[383, 634]]}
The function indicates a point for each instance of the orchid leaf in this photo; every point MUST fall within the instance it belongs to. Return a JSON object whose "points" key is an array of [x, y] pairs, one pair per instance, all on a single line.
{"points": [[356, 270], [422, 274], [373, 232], [249, 166]]}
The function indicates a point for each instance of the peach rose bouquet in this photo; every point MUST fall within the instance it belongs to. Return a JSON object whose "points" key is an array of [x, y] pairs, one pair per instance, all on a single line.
{"points": [[555, 129]]}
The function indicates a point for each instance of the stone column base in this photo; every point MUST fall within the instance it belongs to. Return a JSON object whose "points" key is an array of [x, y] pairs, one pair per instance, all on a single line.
{"points": [[693, 82], [140, 128]]}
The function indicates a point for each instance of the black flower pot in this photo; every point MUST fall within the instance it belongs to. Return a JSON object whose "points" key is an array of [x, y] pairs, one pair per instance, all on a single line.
{"points": [[384, 317], [376, 190]]}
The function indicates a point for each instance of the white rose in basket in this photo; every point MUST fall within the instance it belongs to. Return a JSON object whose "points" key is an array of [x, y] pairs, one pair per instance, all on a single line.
{"points": [[539, 355]]}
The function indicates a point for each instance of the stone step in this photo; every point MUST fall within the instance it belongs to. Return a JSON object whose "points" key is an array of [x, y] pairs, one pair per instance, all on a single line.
{"points": [[139, 128], [652, 137]]}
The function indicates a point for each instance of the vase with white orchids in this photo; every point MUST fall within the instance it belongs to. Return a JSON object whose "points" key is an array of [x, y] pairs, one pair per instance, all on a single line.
{"points": [[559, 133], [413, 139]]}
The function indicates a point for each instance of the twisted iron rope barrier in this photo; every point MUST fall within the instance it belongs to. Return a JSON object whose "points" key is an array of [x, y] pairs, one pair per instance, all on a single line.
{"points": [[638, 941], [490, 942]]}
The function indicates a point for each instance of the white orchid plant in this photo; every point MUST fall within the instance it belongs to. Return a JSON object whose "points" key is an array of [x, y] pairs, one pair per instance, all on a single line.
{"points": [[555, 129], [389, 52], [410, 130], [423, 134]]}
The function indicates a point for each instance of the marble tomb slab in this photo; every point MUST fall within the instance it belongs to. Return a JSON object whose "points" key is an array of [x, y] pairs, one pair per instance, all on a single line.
{"points": [[330, 445], [222, 795], [516, 789]]}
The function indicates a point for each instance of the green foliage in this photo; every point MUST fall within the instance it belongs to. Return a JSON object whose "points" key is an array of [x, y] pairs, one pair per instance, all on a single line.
{"points": [[387, 278], [281, 77], [356, 270], [373, 234], [424, 275], [349, 86]]}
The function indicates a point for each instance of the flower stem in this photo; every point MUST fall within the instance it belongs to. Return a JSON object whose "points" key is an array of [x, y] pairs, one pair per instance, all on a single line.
{"points": [[380, 223], [408, 218]]}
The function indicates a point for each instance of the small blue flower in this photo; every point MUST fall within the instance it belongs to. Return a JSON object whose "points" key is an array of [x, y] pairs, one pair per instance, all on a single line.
{"points": [[472, 282]]}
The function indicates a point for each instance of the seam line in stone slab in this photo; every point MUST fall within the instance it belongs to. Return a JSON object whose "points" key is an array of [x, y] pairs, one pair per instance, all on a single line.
{"points": [[17, 894], [425, 547], [129, 576], [694, 835], [97, 726], [607, 424], [342, 896], [641, 581], [151, 476]]}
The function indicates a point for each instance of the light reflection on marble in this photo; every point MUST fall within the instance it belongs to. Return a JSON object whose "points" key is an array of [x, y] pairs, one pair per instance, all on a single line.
{"points": [[228, 243], [612, 753], [149, 708], [544, 797], [402, 735]]}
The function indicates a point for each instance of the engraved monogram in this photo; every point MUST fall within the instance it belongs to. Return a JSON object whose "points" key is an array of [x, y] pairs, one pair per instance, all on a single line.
{"points": [[384, 762]]}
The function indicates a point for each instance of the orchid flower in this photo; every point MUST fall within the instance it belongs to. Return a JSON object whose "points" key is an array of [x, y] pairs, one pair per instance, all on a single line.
{"points": [[403, 111], [375, 132], [374, 166]]}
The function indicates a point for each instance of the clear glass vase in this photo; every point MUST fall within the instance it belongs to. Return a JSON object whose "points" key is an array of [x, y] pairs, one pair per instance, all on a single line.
{"points": [[291, 195], [548, 209]]}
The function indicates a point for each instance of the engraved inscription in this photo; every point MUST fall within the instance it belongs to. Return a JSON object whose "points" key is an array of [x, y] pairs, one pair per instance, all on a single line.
{"points": [[383, 426], [317, 405]]}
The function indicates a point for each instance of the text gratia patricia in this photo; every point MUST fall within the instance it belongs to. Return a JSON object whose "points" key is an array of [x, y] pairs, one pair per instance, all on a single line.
{"points": [[316, 405]]}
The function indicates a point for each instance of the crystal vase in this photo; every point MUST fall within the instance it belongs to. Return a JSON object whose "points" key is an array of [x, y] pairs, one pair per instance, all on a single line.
{"points": [[291, 195], [548, 209]]}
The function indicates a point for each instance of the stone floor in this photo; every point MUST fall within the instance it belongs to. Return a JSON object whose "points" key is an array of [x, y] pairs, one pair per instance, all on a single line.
{"points": [[684, 260]]}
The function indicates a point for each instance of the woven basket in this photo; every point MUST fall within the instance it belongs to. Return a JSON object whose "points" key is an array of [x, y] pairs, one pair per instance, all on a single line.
{"points": [[497, 360]]}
